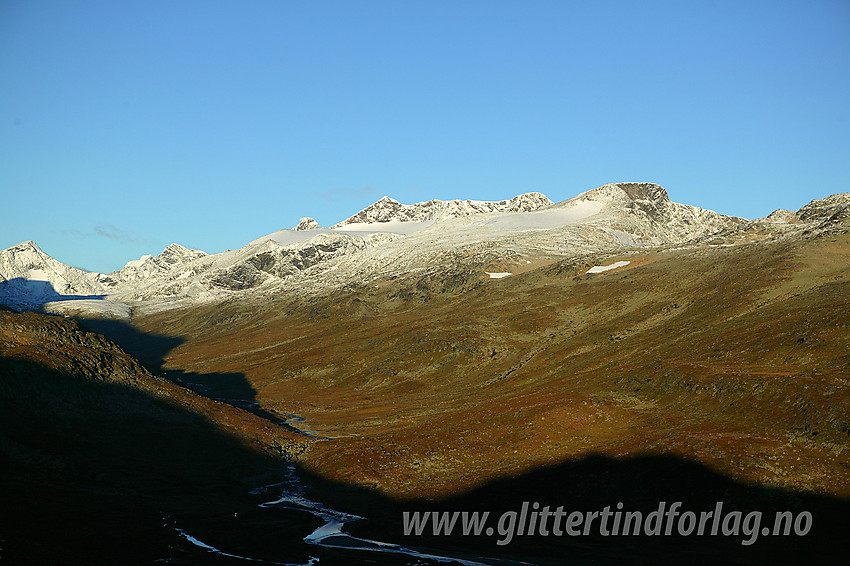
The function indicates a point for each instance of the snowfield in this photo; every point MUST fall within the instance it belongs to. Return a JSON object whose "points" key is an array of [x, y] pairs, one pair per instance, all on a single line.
{"points": [[601, 268], [568, 215]]}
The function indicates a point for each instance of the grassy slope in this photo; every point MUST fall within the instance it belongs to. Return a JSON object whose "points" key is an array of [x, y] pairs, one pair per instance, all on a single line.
{"points": [[733, 357]]}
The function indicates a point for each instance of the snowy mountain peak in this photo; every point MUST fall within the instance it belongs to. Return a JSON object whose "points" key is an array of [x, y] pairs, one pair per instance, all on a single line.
{"points": [[387, 238], [178, 249], [28, 245], [645, 208], [29, 277], [138, 262], [390, 210]]}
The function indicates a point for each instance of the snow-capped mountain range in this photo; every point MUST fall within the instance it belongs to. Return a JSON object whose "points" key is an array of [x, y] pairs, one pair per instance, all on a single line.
{"points": [[388, 239]]}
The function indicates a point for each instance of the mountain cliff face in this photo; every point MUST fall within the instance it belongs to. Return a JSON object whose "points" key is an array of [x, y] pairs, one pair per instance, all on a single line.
{"points": [[832, 210], [646, 209], [390, 210], [271, 260]]}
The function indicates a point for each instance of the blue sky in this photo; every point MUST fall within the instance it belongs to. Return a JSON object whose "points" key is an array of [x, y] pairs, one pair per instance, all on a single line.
{"points": [[125, 126]]}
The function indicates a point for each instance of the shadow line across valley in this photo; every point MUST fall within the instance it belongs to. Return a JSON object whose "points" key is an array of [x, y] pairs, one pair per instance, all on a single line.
{"points": [[231, 388], [34, 294]]}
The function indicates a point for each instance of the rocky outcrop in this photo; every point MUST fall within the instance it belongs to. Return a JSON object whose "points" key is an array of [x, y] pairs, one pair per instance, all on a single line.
{"points": [[172, 259], [272, 260], [646, 209], [781, 216], [833, 209], [306, 223], [390, 210]]}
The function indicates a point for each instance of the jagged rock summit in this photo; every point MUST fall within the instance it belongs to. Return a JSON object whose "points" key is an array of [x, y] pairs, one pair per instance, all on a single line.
{"points": [[307, 223], [832, 209], [390, 210], [634, 192]]}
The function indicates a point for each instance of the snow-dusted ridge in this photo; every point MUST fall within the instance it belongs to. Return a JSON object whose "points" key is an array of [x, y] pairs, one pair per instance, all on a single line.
{"points": [[390, 210], [389, 238]]}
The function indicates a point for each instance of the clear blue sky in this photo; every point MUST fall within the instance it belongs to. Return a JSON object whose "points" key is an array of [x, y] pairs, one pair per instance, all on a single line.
{"points": [[125, 126]]}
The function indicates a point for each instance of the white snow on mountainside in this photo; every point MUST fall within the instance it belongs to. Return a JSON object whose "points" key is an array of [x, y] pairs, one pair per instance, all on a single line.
{"points": [[29, 278], [388, 210], [389, 239], [172, 258]]}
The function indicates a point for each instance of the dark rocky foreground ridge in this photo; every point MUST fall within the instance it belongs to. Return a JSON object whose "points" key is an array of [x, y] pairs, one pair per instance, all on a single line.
{"points": [[99, 456]]}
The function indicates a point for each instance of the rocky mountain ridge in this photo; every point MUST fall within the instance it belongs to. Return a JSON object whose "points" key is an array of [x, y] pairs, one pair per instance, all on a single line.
{"points": [[648, 204], [390, 210], [172, 258]]}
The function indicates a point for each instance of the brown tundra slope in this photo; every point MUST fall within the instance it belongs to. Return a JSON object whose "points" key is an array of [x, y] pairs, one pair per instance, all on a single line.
{"points": [[732, 352]]}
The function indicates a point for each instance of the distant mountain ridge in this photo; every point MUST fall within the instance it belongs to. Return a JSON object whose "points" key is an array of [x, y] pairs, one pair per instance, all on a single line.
{"points": [[388, 239]]}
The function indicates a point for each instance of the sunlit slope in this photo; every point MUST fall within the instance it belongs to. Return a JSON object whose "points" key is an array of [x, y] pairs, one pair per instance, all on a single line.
{"points": [[429, 384]]}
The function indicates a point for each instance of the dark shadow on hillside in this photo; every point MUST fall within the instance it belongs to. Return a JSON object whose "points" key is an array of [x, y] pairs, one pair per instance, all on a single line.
{"points": [[23, 293], [94, 472], [91, 454], [148, 348], [151, 349]]}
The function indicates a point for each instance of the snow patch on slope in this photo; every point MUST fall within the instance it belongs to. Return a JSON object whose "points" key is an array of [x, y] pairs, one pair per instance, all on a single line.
{"points": [[601, 268]]}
